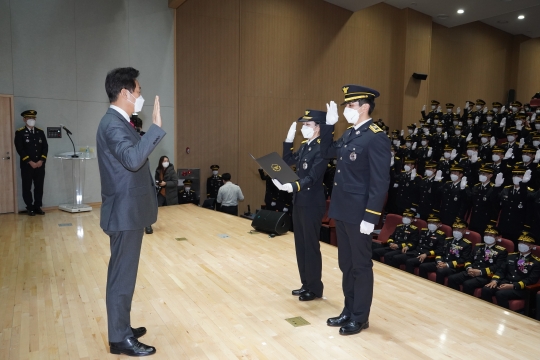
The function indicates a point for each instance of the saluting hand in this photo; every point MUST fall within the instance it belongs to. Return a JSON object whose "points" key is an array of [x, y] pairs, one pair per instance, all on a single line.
{"points": [[156, 115], [332, 116], [291, 133]]}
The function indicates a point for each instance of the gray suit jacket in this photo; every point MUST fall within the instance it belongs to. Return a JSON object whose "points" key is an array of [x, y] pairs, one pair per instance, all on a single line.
{"points": [[127, 187]]}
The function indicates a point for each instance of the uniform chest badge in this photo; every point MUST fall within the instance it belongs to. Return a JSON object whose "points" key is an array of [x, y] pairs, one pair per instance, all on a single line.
{"points": [[485, 199], [520, 206], [309, 148], [357, 132], [352, 156], [407, 184], [304, 166], [27, 140], [455, 198], [40, 141]]}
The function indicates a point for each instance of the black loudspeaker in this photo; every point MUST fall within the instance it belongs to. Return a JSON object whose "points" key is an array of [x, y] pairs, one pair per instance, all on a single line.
{"points": [[419, 76], [511, 96], [272, 222]]}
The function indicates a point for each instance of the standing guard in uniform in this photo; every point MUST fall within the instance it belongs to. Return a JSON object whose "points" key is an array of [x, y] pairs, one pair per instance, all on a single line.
{"points": [[186, 195], [486, 147], [511, 147], [423, 154], [486, 260], [518, 271], [449, 115], [435, 110], [438, 141], [528, 155], [404, 238], [446, 162], [456, 251], [32, 147], [428, 189], [454, 196], [407, 187], [360, 186], [470, 163], [309, 202], [457, 141], [213, 183], [484, 199]]}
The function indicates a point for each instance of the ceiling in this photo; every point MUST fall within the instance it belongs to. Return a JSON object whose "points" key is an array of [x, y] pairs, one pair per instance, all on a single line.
{"points": [[501, 14]]}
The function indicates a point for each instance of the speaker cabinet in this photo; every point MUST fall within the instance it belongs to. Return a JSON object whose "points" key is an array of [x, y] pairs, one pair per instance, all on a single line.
{"points": [[271, 222], [419, 76]]}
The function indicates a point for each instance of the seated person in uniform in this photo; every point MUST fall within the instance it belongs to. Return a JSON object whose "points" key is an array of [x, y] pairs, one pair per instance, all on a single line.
{"points": [[186, 195], [518, 271], [487, 258], [402, 240]]}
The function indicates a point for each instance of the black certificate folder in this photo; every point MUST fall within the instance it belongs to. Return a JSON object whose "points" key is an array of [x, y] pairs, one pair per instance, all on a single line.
{"points": [[276, 168]]}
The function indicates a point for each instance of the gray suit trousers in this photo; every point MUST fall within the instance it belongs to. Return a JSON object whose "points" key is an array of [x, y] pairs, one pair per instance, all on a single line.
{"points": [[121, 278]]}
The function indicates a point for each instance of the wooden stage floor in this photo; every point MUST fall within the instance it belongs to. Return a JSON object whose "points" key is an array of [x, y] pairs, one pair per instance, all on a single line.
{"points": [[225, 294]]}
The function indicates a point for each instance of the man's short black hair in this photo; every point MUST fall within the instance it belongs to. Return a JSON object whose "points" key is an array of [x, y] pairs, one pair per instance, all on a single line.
{"points": [[226, 177], [370, 102], [118, 79]]}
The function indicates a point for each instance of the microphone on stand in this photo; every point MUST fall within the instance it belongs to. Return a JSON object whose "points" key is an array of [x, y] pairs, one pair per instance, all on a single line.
{"points": [[70, 133]]}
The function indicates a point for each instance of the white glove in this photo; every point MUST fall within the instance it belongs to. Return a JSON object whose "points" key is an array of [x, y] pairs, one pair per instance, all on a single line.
{"points": [[402, 132], [485, 110], [439, 109], [508, 154], [366, 228], [273, 203], [415, 131], [503, 122], [392, 161], [469, 137], [499, 180], [453, 154], [445, 135], [282, 187], [476, 120], [527, 176], [537, 156], [291, 133], [438, 175], [414, 146], [413, 174], [429, 152], [521, 142], [503, 109], [396, 185], [417, 216], [463, 182], [428, 121], [533, 117], [458, 111], [474, 158], [285, 209], [424, 108], [332, 116], [467, 105], [492, 142]]}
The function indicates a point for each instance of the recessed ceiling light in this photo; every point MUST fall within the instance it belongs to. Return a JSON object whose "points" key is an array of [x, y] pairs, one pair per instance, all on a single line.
{"points": [[460, 11], [521, 17]]}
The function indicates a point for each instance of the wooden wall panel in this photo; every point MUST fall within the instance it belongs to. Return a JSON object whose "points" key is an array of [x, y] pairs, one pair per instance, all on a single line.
{"points": [[529, 70]]}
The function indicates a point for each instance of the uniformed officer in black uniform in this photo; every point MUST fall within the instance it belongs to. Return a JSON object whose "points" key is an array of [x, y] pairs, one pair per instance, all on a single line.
{"points": [[512, 143], [528, 154], [454, 196], [404, 238], [309, 201], [519, 270], [429, 195], [435, 110], [407, 186], [360, 186], [32, 147], [471, 163], [484, 198], [430, 243], [329, 177], [485, 149], [446, 162], [186, 195], [487, 258], [456, 251], [457, 141], [213, 183], [438, 142]]}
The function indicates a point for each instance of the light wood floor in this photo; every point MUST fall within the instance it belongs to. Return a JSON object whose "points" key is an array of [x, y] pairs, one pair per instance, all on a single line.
{"points": [[215, 297]]}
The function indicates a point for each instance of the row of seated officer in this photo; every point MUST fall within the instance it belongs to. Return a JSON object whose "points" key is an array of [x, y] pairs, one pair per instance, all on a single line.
{"points": [[483, 269]]}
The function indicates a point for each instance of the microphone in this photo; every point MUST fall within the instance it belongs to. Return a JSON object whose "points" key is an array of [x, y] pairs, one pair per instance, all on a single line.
{"points": [[65, 128]]}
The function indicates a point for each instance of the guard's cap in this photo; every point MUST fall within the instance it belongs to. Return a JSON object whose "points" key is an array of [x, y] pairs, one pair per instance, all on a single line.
{"points": [[491, 230], [357, 92], [313, 115], [459, 224], [526, 237], [188, 182], [449, 105], [214, 167], [29, 113], [480, 102]]}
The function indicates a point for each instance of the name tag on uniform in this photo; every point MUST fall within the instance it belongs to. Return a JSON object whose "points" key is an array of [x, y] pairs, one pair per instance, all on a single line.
{"points": [[352, 156]]}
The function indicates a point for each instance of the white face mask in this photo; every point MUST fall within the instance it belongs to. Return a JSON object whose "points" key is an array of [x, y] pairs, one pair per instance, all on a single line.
{"points": [[433, 107], [187, 188], [469, 122], [455, 122], [448, 111], [31, 122], [406, 220], [439, 130], [478, 107], [489, 118], [351, 115], [470, 152], [517, 180], [214, 172], [457, 234], [426, 131], [407, 168], [408, 144], [537, 111], [457, 132], [138, 102], [514, 109], [396, 142], [526, 158], [429, 173], [490, 240], [511, 138], [484, 140], [165, 164], [447, 155], [519, 122], [537, 126], [495, 110], [410, 131], [436, 121], [523, 248], [424, 142], [307, 132], [454, 177], [432, 227], [536, 143], [482, 178], [495, 158]]}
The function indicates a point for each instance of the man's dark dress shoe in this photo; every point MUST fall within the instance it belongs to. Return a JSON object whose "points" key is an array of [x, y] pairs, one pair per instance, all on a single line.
{"points": [[40, 212], [308, 296], [138, 332], [148, 230], [338, 320], [31, 213], [353, 327], [132, 347], [298, 292]]}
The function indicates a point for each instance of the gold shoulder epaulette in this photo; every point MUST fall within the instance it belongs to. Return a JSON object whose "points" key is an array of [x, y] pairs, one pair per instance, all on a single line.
{"points": [[20, 129], [450, 238], [491, 184], [480, 244], [38, 128], [424, 229], [467, 241], [440, 232], [375, 128], [530, 189], [396, 158], [535, 257], [414, 227], [318, 140], [500, 247], [513, 253], [305, 141], [509, 186], [399, 224], [350, 127]]}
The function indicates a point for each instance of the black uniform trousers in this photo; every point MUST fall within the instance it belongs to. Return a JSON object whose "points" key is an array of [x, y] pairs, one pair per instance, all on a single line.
{"points": [[470, 283], [307, 230], [121, 278], [387, 252], [503, 296], [30, 175], [354, 256], [410, 259], [232, 210], [426, 268]]}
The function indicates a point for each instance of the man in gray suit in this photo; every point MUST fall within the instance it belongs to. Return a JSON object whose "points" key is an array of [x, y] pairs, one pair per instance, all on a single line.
{"points": [[129, 202]]}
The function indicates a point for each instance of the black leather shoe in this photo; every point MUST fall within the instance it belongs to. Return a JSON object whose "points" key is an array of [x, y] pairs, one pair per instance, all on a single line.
{"points": [[338, 320], [138, 332], [353, 327], [298, 292], [308, 296], [40, 212], [149, 230], [131, 347], [31, 213]]}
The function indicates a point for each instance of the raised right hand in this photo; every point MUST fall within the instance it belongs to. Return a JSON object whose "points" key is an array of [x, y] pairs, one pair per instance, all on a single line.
{"points": [[291, 133], [332, 116], [156, 114]]}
